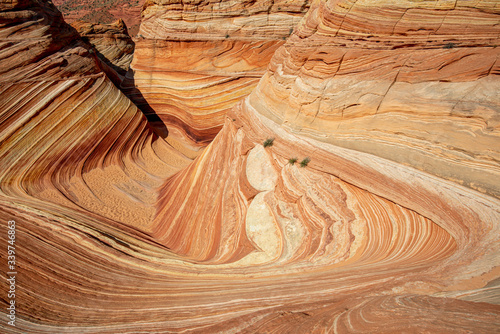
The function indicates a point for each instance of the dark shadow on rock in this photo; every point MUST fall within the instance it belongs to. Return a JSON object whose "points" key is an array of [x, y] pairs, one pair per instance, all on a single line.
{"points": [[129, 88], [120, 71], [65, 35], [125, 82]]}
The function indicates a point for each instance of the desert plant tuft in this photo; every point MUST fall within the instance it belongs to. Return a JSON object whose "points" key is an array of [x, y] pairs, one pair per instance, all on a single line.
{"points": [[268, 142], [304, 162], [292, 161], [449, 46]]}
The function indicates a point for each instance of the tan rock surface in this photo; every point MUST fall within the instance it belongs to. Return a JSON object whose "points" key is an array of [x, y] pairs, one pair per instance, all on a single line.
{"points": [[412, 85], [113, 45], [119, 232], [194, 60]]}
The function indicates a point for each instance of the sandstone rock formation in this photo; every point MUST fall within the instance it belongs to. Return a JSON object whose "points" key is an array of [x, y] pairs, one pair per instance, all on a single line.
{"points": [[113, 45], [415, 84], [194, 60], [69, 137], [118, 231], [102, 12]]}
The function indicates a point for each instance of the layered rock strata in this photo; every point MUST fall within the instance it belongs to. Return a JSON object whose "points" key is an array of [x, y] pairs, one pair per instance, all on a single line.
{"points": [[113, 45], [414, 84], [119, 232], [195, 60], [68, 135]]}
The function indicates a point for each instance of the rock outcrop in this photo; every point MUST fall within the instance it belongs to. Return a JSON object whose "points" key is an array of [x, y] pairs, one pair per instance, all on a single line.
{"points": [[194, 60], [346, 220], [102, 12], [113, 45], [69, 137], [414, 84]]}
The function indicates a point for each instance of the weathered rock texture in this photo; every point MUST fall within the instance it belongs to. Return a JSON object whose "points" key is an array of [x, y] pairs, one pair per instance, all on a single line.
{"points": [[113, 45], [416, 83], [194, 60], [68, 135], [102, 11], [119, 232]]}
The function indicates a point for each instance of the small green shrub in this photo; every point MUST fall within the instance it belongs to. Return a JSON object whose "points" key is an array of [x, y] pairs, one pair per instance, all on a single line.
{"points": [[449, 46], [304, 162], [292, 161], [268, 142]]}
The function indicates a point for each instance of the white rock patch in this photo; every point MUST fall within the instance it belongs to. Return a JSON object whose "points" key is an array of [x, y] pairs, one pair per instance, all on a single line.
{"points": [[259, 170], [261, 228]]}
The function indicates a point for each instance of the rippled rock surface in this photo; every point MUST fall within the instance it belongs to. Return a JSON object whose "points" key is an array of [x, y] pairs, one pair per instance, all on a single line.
{"points": [[195, 60], [303, 215], [113, 45]]}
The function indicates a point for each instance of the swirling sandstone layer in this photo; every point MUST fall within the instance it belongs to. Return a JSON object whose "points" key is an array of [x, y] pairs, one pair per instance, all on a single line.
{"points": [[69, 136], [118, 232], [194, 60], [417, 83]]}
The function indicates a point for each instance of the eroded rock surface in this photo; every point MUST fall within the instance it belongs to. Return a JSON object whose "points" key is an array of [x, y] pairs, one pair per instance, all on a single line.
{"points": [[414, 84], [194, 60], [113, 45], [69, 137], [119, 231], [102, 12]]}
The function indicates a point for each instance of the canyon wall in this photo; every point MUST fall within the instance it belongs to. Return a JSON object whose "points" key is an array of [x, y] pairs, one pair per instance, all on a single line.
{"points": [[113, 45], [194, 60], [69, 136], [372, 207]]}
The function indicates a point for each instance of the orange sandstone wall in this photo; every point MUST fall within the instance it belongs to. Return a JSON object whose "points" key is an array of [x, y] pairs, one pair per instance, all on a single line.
{"points": [[413, 82], [113, 45], [68, 135], [121, 231]]}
